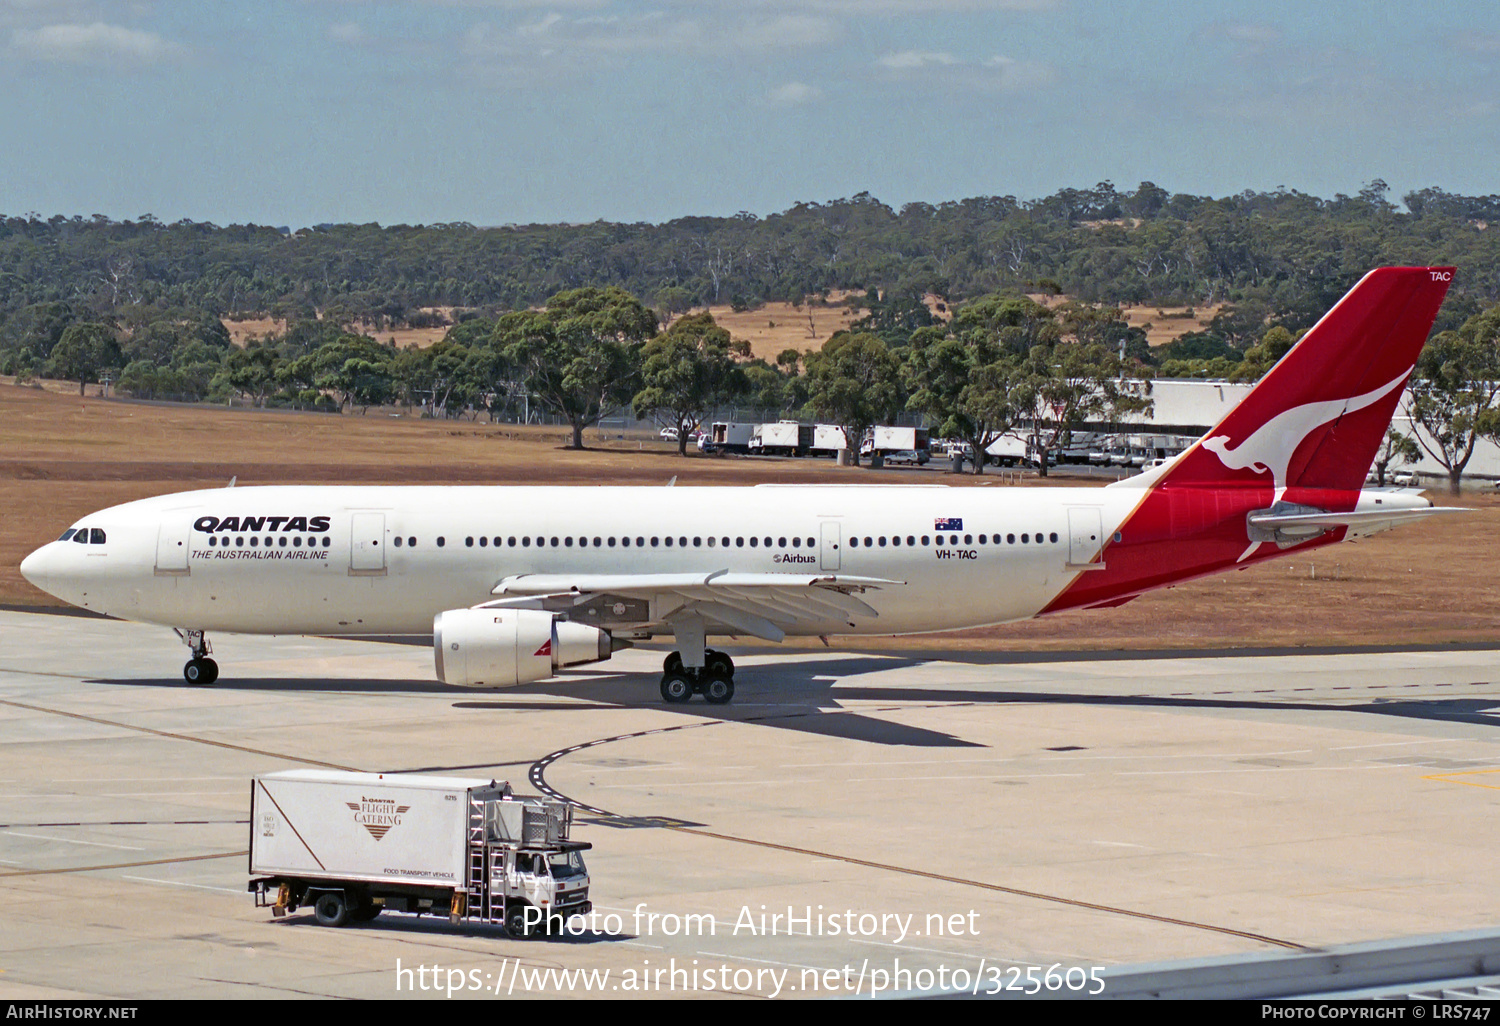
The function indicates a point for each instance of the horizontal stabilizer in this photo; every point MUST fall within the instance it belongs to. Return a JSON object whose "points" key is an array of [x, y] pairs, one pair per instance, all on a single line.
{"points": [[1314, 523]]}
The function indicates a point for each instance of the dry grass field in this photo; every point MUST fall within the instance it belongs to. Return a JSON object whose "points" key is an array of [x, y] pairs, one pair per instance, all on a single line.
{"points": [[776, 327], [62, 457]]}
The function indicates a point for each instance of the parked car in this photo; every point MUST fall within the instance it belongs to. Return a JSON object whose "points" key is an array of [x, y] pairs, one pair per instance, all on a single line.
{"points": [[914, 457], [669, 434]]}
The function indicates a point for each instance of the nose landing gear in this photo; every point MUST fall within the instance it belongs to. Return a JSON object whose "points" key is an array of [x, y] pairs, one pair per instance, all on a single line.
{"points": [[200, 669]]}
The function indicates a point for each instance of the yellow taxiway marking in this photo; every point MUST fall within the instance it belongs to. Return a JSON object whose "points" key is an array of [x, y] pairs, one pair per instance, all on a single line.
{"points": [[1448, 778]]}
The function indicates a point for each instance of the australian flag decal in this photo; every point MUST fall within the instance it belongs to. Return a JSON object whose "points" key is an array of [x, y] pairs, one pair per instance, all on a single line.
{"points": [[948, 524]]}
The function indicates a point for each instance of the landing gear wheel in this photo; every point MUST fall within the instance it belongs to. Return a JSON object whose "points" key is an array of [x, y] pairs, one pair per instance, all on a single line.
{"points": [[718, 663], [676, 688], [718, 689], [672, 663], [515, 921], [331, 909], [201, 671]]}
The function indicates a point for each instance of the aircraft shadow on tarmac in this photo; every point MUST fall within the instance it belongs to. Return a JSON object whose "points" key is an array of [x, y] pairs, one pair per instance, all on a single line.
{"points": [[811, 701]]}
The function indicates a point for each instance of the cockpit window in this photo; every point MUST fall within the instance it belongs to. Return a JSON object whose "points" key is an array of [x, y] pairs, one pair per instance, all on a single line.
{"points": [[96, 536], [68, 534], [82, 537]]}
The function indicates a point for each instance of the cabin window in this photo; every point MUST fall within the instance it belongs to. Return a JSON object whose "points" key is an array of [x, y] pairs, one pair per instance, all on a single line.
{"points": [[398, 541], [597, 543], [1053, 536], [754, 542], [441, 541], [854, 543], [484, 542], [239, 542], [411, 543], [925, 540], [68, 533], [938, 539], [82, 537], [554, 543], [281, 541], [297, 541], [469, 542], [568, 541]]}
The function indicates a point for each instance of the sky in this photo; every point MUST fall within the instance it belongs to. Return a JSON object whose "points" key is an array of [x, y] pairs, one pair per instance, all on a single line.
{"points": [[296, 112]]}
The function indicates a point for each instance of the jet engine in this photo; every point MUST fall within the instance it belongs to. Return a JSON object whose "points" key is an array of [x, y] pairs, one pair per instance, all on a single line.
{"points": [[500, 648]]}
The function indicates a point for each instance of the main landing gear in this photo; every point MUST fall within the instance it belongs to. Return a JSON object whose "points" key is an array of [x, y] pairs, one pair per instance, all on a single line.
{"points": [[714, 680], [200, 669]]}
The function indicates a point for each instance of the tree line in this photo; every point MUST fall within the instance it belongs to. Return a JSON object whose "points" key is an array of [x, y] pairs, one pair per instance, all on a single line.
{"points": [[142, 303]]}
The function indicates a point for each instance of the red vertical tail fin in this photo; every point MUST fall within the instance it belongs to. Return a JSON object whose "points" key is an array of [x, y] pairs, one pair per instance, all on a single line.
{"points": [[1318, 417]]}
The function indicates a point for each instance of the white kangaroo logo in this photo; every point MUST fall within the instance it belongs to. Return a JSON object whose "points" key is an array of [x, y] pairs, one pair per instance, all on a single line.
{"points": [[1270, 448]]}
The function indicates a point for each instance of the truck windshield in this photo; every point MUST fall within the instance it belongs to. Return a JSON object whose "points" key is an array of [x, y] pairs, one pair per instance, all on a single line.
{"points": [[566, 863]]}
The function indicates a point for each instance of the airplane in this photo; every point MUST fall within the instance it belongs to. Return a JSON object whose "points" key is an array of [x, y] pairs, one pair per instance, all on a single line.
{"points": [[517, 583]]}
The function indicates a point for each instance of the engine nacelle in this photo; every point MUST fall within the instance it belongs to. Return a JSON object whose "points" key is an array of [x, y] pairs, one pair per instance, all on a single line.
{"points": [[500, 648]]}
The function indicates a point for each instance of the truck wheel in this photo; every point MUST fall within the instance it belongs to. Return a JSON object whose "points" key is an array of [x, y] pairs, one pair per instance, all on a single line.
{"points": [[331, 909], [515, 921]]}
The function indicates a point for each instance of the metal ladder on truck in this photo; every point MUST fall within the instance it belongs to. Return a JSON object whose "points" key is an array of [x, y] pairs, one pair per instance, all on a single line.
{"points": [[478, 901]]}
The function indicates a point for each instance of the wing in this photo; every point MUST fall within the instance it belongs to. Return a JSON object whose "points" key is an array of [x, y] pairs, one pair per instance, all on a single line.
{"points": [[768, 606]]}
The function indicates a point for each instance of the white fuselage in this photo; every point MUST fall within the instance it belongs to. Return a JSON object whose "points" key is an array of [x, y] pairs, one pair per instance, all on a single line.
{"points": [[386, 560]]}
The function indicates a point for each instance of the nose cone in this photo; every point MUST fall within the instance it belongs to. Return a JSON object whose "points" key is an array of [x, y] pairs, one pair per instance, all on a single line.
{"points": [[34, 569]]}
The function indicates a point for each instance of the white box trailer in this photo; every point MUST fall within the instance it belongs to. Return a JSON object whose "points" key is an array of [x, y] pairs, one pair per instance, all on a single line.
{"points": [[828, 439], [783, 438], [1009, 451], [900, 439], [352, 845], [727, 436]]}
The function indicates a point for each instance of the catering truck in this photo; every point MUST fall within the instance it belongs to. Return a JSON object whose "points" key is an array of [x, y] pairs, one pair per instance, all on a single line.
{"points": [[352, 845]]}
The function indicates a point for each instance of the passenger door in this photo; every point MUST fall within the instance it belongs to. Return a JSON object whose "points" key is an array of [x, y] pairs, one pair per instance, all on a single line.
{"points": [[367, 545]]}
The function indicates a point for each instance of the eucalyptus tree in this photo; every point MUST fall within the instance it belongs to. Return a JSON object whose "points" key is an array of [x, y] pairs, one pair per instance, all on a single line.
{"points": [[1453, 392], [686, 372], [580, 356]]}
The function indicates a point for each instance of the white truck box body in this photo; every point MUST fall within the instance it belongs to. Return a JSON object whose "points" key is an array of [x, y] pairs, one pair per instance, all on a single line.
{"points": [[895, 439], [786, 434], [829, 438], [383, 828]]}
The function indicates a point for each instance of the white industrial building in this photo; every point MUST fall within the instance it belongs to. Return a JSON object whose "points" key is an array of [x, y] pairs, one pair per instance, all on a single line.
{"points": [[1191, 407]]}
